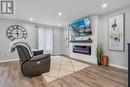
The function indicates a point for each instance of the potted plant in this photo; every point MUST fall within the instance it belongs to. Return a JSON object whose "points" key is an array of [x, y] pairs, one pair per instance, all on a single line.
{"points": [[99, 54]]}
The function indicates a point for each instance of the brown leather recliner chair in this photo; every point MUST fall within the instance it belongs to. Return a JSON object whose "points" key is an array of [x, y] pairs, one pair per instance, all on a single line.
{"points": [[34, 65]]}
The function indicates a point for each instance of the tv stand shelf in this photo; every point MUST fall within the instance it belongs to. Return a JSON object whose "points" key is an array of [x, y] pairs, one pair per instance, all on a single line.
{"points": [[81, 41]]}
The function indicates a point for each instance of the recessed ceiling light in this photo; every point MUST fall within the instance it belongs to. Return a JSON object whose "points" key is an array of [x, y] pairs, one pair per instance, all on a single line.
{"points": [[31, 19], [59, 13], [59, 24], [104, 5]]}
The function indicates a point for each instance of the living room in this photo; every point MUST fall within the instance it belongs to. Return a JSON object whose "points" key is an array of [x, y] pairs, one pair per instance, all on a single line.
{"points": [[64, 43]]}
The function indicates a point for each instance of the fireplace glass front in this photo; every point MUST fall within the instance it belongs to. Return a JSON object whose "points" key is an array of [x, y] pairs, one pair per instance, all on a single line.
{"points": [[82, 49]]}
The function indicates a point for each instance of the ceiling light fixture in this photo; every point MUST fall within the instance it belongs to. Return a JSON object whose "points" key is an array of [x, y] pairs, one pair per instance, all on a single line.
{"points": [[59, 24], [59, 13], [31, 19], [104, 5]]}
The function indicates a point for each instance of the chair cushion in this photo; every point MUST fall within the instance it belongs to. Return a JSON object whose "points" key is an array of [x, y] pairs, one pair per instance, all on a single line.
{"points": [[39, 57]]}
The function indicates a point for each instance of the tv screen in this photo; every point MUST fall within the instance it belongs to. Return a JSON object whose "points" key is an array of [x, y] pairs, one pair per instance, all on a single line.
{"points": [[81, 28]]}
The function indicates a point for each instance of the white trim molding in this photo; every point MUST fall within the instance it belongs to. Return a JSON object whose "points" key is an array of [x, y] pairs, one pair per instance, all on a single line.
{"points": [[121, 67], [9, 60]]}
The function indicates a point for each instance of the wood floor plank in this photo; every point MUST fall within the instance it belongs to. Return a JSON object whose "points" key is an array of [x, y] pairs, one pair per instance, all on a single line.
{"points": [[93, 76]]}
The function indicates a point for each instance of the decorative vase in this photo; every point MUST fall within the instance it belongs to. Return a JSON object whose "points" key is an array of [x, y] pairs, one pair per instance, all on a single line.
{"points": [[105, 60]]}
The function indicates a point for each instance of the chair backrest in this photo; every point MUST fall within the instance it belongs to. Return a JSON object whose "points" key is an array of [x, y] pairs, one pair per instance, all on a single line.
{"points": [[23, 53], [20, 42]]}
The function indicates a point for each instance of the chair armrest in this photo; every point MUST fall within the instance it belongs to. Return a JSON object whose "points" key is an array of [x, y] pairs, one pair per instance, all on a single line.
{"points": [[39, 57], [39, 52]]}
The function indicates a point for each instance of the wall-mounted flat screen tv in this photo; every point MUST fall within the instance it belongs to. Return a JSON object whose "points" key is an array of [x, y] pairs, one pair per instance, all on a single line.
{"points": [[81, 28]]}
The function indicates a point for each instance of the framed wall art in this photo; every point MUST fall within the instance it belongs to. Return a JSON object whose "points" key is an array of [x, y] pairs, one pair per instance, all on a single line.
{"points": [[116, 32]]}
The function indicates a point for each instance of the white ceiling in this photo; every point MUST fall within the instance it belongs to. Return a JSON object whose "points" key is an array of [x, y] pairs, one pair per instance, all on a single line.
{"points": [[46, 11]]}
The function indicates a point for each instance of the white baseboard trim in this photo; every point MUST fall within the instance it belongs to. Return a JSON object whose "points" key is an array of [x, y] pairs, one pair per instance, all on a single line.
{"points": [[118, 66], [9, 60]]}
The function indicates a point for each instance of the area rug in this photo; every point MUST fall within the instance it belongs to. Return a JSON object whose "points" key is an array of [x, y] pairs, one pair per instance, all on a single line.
{"points": [[62, 66]]}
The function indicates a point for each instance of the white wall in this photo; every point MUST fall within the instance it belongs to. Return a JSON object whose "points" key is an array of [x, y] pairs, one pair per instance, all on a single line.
{"points": [[117, 58], [5, 42], [58, 40], [32, 38], [66, 41]]}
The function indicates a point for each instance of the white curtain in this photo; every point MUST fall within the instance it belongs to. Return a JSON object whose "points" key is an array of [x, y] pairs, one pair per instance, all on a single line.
{"points": [[45, 40]]}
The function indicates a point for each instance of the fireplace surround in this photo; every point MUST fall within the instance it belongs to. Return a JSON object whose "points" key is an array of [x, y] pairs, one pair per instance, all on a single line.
{"points": [[82, 49]]}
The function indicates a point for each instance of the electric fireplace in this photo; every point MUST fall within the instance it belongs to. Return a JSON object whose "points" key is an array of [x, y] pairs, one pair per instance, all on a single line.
{"points": [[82, 49]]}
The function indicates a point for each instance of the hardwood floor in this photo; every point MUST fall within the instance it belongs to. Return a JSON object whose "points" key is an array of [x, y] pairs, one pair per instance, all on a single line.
{"points": [[93, 76]]}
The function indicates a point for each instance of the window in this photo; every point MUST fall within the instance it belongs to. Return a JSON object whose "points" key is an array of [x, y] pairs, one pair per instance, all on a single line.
{"points": [[45, 40]]}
